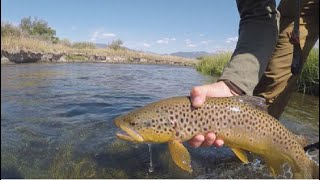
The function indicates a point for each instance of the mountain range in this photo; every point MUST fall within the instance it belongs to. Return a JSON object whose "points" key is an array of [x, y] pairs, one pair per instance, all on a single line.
{"points": [[194, 54]]}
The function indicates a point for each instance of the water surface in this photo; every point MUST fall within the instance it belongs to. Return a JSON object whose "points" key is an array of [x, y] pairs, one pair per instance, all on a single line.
{"points": [[56, 122]]}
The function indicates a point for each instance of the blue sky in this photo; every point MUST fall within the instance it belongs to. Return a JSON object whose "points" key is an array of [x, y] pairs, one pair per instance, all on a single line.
{"points": [[161, 26]]}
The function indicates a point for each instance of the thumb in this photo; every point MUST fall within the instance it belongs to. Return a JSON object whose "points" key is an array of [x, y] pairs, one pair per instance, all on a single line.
{"points": [[198, 96]]}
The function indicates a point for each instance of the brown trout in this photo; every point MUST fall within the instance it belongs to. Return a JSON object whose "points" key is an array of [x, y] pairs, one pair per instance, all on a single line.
{"points": [[241, 121]]}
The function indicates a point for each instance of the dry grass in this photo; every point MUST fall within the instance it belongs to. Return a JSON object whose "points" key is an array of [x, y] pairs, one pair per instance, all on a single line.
{"points": [[13, 44]]}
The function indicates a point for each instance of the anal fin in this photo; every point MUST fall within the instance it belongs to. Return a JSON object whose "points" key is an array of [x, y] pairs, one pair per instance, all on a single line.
{"points": [[180, 155], [241, 155]]}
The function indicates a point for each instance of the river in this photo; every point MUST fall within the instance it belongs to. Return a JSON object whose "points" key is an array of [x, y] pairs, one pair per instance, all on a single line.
{"points": [[57, 122]]}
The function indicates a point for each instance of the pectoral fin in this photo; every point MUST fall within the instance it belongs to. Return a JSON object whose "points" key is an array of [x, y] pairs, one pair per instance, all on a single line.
{"points": [[241, 155], [180, 155]]}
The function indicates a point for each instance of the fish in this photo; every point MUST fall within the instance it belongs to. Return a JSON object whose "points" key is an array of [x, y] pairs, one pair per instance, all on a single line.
{"points": [[242, 122]]}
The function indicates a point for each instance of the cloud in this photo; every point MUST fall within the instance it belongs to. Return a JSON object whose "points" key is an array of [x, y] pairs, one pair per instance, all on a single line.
{"points": [[100, 34], [206, 42], [162, 41], [146, 45], [165, 40], [232, 39], [201, 35], [73, 28], [189, 43], [108, 35]]}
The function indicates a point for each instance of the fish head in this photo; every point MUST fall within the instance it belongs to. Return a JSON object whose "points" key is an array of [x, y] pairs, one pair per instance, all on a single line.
{"points": [[145, 125]]}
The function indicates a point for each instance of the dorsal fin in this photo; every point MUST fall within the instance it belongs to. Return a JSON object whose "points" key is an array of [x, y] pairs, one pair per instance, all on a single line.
{"points": [[255, 101]]}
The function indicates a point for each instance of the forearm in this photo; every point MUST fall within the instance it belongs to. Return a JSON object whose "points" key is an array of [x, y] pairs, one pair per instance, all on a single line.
{"points": [[258, 33]]}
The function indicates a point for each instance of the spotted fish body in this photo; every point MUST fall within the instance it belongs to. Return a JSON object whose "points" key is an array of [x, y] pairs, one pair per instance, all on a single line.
{"points": [[239, 121]]}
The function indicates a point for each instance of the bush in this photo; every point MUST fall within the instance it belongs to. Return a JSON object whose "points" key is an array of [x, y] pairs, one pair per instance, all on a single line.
{"points": [[84, 45], [38, 28], [65, 42], [8, 29], [116, 44]]}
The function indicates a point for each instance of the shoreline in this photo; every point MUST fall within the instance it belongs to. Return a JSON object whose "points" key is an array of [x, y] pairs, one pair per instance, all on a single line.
{"points": [[23, 56]]}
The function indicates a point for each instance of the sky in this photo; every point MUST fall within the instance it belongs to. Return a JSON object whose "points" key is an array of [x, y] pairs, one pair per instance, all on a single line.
{"points": [[159, 26]]}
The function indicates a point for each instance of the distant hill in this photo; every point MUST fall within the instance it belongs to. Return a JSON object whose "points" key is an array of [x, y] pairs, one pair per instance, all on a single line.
{"points": [[100, 45], [190, 54]]}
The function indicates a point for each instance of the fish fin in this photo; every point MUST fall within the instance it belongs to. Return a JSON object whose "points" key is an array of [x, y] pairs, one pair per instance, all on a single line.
{"points": [[180, 155], [255, 101], [301, 139], [241, 155], [274, 165]]}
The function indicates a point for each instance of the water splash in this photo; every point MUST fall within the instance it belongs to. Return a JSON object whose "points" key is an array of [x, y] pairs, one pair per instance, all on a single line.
{"points": [[313, 154], [151, 169]]}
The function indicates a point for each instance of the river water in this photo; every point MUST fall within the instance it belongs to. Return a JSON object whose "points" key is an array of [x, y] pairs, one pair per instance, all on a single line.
{"points": [[57, 122]]}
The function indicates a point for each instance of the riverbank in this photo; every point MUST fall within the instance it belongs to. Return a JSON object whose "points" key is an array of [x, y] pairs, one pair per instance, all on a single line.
{"points": [[308, 82], [27, 50]]}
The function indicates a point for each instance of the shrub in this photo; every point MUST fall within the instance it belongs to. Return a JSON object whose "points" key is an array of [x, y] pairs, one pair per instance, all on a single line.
{"points": [[116, 44], [84, 45]]}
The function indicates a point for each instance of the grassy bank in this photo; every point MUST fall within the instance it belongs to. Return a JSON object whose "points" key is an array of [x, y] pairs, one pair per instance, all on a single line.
{"points": [[36, 36], [308, 82], [15, 44]]}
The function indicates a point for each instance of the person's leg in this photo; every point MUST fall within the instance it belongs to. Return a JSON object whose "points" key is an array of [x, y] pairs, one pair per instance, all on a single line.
{"points": [[258, 33], [277, 83]]}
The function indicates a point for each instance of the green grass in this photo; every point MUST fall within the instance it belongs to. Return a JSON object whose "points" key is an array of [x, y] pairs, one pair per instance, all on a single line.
{"points": [[213, 65], [76, 57], [309, 79], [308, 82]]}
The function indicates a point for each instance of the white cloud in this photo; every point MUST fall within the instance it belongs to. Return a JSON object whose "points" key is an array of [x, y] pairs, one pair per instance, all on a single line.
{"points": [[165, 40], [206, 42], [201, 35], [100, 34], [108, 35], [232, 39], [162, 41], [189, 43], [146, 45]]}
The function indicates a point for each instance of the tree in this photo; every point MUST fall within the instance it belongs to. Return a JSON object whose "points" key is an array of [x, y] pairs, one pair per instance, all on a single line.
{"points": [[38, 28], [116, 44]]}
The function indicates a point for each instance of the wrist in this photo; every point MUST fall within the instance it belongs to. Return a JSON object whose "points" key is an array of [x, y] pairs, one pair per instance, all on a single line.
{"points": [[233, 88]]}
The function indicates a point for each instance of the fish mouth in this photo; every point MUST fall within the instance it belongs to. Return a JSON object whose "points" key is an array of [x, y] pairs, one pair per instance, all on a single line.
{"points": [[128, 134]]}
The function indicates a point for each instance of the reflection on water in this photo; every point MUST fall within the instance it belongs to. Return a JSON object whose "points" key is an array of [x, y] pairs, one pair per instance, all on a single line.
{"points": [[56, 122]]}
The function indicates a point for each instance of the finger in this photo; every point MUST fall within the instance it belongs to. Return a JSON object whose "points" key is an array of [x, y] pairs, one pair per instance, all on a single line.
{"points": [[218, 142], [196, 141], [209, 140], [198, 95]]}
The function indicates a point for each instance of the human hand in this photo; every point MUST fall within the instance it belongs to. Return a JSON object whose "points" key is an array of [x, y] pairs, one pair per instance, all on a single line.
{"points": [[198, 97]]}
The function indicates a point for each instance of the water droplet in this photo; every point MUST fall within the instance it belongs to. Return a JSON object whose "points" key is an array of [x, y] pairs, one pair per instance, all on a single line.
{"points": [[151, 169], [184, 162]]}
